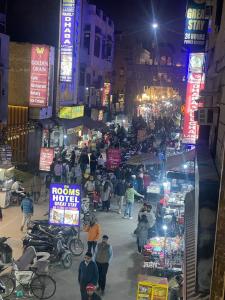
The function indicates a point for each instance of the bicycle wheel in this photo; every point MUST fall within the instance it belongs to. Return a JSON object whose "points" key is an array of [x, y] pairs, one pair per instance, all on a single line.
{"points": [[76, 246], [7, 286], [43, 286]]}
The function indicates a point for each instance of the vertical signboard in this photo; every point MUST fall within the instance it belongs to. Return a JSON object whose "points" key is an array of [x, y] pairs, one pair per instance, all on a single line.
{"points": [[113, 158], [64, 204], [66, 40], [106, 94], [196, 82], [196, 25], [46, 159], [39, 76]]}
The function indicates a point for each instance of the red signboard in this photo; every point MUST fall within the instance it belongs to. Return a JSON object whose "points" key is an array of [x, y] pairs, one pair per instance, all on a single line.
{"points": [[196, 82], [39, 76], [113, 158], [106, 94], [46, 159]]}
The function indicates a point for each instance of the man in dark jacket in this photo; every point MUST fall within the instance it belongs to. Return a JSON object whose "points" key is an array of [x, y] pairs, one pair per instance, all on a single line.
{"points": [[91, 295], [88, 273], [120, 191], [84, 161]]}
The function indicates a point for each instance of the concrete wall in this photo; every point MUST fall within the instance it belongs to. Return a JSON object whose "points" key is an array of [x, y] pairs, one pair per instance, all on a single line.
{"points": [[4, 61], [215, 97], [19, 73]]}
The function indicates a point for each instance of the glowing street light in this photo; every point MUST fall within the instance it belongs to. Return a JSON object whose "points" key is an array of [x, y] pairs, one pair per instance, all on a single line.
{"points": [[155, 25]]}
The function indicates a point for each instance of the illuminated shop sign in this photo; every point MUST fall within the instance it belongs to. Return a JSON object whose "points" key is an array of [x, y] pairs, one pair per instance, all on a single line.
{"points": [[64, 204], [71, 112], [196, 25], [67, 39], [196, 82], [106, 94], [46, 159], [39, 76]]}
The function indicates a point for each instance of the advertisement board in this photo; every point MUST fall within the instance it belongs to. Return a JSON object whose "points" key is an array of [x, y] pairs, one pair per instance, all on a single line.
{"points": [[106, 94], [64, 204], [196, 25], [113, 158], [71, 112], [46, 159], [39, 76], [196, 82], [67, 40]]}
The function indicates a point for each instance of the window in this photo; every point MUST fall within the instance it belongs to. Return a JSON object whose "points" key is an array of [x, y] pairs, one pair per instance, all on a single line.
{"points": [[82, 77], [87, 27], [88, 79], [87, 40], [98, 12], [103, 49], [219, 10], [97, 46], [104, 18]]}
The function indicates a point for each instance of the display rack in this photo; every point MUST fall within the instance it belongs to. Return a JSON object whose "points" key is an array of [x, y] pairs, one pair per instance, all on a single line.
{"points": [[152, 288]]}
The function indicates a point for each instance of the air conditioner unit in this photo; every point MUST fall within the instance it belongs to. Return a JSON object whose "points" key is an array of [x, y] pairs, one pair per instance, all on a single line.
{"points": [[204, 116]]}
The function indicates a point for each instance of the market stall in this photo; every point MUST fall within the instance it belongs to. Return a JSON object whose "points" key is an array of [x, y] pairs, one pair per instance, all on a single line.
{"points": [[165, 252], [152, 288]]}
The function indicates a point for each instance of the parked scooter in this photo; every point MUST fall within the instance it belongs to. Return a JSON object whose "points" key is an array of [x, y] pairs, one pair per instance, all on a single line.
{"points": [[54, 245]]}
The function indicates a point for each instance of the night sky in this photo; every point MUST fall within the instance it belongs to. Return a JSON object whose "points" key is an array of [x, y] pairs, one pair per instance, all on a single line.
{"points": [[37, 20]]}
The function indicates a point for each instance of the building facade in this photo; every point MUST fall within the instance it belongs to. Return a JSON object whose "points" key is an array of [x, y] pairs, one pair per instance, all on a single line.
{"points": [[137, 68], [4, 65], [96, 57], [30, 99], [213, 100]]}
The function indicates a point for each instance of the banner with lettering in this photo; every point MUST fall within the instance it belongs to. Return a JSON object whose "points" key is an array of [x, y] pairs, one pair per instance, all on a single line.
{"points": [[196, 25]]}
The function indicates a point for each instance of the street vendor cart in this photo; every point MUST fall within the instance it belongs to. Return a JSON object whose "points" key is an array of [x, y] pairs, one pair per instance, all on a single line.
{"points": [[152, 288]]}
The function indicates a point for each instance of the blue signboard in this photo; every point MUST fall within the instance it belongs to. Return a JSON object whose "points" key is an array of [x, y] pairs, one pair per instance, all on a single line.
{"points": [[196, 25], [67, 40], [64, 204]]}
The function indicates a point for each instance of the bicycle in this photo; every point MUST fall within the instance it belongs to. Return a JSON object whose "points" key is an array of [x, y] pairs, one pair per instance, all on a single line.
{"points": [[42, 286]]}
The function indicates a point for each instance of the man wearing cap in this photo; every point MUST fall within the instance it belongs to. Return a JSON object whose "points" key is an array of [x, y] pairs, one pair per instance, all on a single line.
{"points": [[103, 256], [91, 295], [88, 273]]}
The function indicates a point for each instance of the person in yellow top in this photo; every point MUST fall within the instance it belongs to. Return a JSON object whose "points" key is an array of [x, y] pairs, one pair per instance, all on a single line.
{"points": [[94, 233]]}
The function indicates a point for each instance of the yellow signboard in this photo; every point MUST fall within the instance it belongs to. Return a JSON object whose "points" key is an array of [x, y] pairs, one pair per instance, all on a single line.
{"points": [[71, 112]]}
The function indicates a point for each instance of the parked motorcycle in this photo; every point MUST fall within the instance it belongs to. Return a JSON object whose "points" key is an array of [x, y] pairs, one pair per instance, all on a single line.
{"points": [[5, 251], [55, 246], [69, 234]]}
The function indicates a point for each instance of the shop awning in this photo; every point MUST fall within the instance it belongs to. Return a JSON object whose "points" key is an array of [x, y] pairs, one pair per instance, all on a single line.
{"points": [[83, 121], [143, 159], [171, 162], [176, 161]]}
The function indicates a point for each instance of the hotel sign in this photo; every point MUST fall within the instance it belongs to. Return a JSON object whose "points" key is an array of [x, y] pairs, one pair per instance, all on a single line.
{"points": [[67, 40], [196, 25]]}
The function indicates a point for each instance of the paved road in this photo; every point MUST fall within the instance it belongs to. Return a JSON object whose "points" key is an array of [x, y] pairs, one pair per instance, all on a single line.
{"points": [[124, 268]]}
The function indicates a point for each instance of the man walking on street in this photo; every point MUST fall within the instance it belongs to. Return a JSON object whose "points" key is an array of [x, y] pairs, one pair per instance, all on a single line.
{"points": [[27, 210], [103, 256], [120, 191], [88, 274]]}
